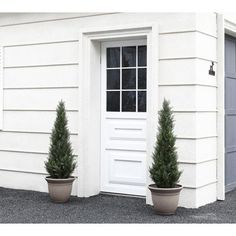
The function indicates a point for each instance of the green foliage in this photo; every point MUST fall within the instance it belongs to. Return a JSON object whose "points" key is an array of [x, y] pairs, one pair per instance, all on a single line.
{"points": [[164, 171], [60, 163]]}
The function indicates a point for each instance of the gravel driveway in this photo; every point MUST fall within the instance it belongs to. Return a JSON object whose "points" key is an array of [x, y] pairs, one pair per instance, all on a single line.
{"points": [[19, 206]]}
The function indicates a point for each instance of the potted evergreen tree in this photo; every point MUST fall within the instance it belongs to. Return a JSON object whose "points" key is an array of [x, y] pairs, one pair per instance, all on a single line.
{"points": [[164, 170], [60, 163]]}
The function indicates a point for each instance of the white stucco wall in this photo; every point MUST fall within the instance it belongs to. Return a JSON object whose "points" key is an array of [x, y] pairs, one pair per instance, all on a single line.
{"points": [[185, 59], [41, 67]]}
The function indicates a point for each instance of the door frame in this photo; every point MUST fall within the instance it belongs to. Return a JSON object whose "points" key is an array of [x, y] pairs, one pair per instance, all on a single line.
{"points": [[89, 103]]}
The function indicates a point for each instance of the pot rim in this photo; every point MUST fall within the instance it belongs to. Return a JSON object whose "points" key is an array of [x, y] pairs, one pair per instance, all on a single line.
{"points": [[59, 180], [154, 187]]}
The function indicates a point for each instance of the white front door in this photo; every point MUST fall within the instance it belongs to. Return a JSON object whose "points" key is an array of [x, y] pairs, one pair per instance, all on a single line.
{"points": [[123, 121]]}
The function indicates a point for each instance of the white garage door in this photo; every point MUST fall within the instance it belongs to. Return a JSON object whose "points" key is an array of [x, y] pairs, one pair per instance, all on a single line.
{"points": [[123, 127]]}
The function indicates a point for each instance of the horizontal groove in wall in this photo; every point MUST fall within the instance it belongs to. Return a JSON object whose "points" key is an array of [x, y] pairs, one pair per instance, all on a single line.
{"points": [[29, 172], [58, 19], [186, 58], [28, 152], [175, 111], [24, 152], [26, 110], [188, 31], [196, 162], [46, 65], [189, 85], [77, 40], [44, 153], [29, 132], [24, 172], [41, 43], [206, 34], [196, 138], [33, 88], [195, 111], [200, 186]]}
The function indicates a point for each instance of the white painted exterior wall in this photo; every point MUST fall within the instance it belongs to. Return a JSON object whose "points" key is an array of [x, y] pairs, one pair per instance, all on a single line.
{"points": [[41, 66]]}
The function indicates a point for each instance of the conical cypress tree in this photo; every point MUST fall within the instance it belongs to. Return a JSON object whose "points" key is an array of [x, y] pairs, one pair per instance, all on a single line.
{"points": [[60, 163], [164, 171]]}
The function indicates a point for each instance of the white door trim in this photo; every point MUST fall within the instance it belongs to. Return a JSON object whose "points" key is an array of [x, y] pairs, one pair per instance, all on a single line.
{"points": [[89, 102]]}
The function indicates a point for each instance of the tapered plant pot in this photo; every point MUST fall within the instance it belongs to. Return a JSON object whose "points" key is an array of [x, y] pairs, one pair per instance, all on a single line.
{"points": [[60, 189], [165, 200]]}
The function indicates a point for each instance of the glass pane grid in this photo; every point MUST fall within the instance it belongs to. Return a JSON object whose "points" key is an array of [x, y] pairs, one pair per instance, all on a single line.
{"points": [[132, 81]]}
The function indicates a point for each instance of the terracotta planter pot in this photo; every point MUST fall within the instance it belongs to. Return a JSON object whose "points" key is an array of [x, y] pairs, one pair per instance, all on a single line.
{"points": [[165, 200], [60, 189]]}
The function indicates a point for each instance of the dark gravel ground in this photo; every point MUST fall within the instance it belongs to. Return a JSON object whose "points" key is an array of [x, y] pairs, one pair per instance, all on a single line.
{"points": [[19, 206]]}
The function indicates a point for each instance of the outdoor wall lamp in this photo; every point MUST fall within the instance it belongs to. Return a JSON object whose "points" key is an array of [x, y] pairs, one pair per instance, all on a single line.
{"points": [[211, 71]]}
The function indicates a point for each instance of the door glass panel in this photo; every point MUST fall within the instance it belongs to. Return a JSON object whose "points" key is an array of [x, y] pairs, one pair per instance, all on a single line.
{"points": [[129, 79], [142, 55], [113, 101], [142, 78], [113, 79], [126, 80], [142, 101], [129, 101], [129, 56], [113, 57]]}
